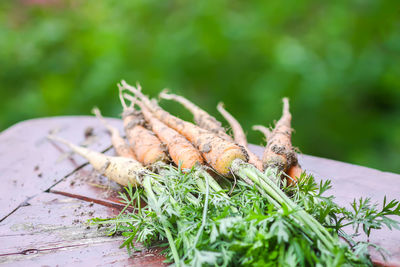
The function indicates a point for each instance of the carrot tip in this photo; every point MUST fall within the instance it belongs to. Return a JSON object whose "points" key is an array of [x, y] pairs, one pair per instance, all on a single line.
{"points": [[120, 88], [133, 99], [164, 94], [138, 86], [96, 111]]}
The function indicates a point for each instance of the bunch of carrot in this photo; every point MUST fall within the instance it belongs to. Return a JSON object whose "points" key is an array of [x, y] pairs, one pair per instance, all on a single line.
{"points": [[231, 159], [156, 138]]}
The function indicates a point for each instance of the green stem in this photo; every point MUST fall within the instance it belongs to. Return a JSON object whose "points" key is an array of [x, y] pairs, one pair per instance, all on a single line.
{"points": [[215, 186], [200, 184], [200, 172], [171, 244], [189, 196], [159, 190], [153, 200], [276, 193], [211, 181], [204, 217], [192, 199], [288, 201]]}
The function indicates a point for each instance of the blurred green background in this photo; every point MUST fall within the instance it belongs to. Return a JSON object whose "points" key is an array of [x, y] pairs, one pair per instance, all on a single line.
{"points": [[338, 61]]}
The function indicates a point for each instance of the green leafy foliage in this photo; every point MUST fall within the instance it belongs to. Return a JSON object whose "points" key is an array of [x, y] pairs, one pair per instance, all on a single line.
{"points": [[246, 229], [336, 60]]}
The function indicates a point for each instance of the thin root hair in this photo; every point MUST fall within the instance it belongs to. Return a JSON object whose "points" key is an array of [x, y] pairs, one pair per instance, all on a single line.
{"points": [[121, 98]]}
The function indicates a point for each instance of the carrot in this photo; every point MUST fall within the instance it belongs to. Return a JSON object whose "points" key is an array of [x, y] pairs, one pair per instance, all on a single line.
{"points": [[147, 147], [182, 152], [239, 136], [125, 171], [180, 149], [201, 117], [295, 172], [122, 170], [121, 147], [264, 130], [218, 152], [279, 152]]}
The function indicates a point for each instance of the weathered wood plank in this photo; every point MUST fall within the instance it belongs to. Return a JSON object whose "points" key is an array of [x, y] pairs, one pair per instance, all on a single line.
{"points": [[99, 254], [88, 185], [53, 230], [19, 166], [30, 164]]}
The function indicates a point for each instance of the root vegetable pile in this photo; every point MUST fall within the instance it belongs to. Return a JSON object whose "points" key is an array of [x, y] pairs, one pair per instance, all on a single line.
{"points": [[268, 212], [218, 152], [181, 151]]}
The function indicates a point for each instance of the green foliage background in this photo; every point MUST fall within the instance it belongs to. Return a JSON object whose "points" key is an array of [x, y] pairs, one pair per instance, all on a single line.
{"points": [[338, 61]]}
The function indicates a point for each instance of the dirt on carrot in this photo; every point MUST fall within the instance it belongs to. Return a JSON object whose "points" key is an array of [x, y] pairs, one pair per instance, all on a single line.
{"points": [[218, 152], [201, 117], [146, 146], [182, 152], [279, 152], [239, 136]]}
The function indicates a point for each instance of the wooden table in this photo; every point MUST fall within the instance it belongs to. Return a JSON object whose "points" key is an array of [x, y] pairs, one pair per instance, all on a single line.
{"points": [[47, 195]]}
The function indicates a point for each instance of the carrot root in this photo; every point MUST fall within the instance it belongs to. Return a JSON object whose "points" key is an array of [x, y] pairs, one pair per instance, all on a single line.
{"points": [[201, 117], [239, 136], [182, 152], [122, 170], [264, 130], [279, 152], [121, 147], [218, 152], [147, 147]]}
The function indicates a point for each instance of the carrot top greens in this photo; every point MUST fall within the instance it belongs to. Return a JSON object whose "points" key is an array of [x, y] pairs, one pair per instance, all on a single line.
{"points": [[248, 228]]}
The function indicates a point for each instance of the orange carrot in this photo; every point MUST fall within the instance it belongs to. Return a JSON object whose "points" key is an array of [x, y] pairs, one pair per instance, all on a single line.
{"points": [[122, 170], [180, 149], [279, 152], [239, 136], [147, 147], [121, 147], [295, 172], [201, 117], [218, 152]]}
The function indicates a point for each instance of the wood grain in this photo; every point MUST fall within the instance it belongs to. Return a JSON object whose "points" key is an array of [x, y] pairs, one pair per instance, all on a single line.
{"points": [[53, 230], [86, 184], [30, 164]]}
